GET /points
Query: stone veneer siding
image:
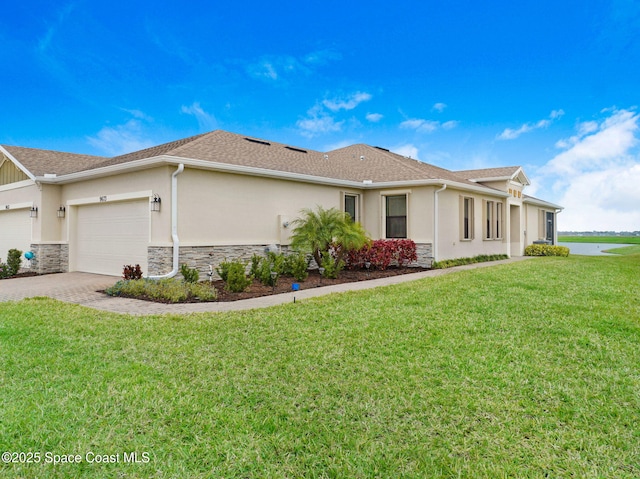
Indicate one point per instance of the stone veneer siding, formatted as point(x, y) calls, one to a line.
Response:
point(160, 260)
point(425, 255)
point(50, 258)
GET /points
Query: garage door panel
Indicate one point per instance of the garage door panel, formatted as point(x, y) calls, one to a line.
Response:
point(15, 231)
point(112, 235)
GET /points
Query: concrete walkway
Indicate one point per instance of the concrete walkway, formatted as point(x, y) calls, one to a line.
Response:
point(82, 288)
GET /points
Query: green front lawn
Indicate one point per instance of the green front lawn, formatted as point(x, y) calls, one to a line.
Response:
point(600, 239)
point(625, 250)
point(522, 370)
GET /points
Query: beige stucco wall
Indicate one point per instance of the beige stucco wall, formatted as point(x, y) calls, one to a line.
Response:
point(419, 212)
point(26, 191)
point(155, 180)
point(227, 209)
point(449, 243)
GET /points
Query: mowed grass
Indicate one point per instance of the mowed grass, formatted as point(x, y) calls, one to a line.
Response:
point(530, 369)
point(625, 250)
point(600, 239)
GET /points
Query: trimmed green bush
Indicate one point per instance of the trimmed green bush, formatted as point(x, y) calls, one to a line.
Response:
point(450, 263)
point(4, 271)
point(167, 290)
point(14, 261)
point(546, 250)
point(234, 276)
point(296, 265)
point(190, 275)
point(331, 265)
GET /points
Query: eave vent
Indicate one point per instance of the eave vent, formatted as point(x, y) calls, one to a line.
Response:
point(260, 142)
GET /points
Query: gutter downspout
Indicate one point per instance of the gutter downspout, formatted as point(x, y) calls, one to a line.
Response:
point(555, 226)
point(174, 225)
point(435, 222)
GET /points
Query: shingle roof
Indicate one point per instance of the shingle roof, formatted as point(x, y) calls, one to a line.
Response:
point(504, 172)
point(353, 163)
point(41, 162)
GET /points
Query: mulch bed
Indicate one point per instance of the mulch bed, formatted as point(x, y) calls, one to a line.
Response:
point(314, 280)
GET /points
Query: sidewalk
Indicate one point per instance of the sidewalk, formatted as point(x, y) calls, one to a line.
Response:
point(81, 288)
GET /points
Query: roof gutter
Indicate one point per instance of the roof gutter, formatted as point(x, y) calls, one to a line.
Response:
point(435, 222)
point(262, 172)
point(174, 225)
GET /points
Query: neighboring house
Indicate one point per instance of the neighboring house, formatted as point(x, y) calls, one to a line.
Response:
point(221, 195)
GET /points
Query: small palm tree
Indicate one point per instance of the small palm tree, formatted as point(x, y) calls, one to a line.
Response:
point(318, 231)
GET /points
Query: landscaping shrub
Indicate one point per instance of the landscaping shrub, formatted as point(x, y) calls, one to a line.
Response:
point(450, 263)
point(190, 275)
point(382, 253)
point(4, 271)
point(131, 272)
point(332, 266)
point(256, 259)
point(234, 276)
point(168, 290)
point(296, 265)
point(546, 250)
point(13, 261)
point(271, 263)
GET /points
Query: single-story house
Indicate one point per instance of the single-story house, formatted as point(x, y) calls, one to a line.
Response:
point(222, 195)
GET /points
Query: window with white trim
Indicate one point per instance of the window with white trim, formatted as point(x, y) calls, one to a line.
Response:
point(351, 206)
point(492, 214)
point(466, 218)
point(395, 216)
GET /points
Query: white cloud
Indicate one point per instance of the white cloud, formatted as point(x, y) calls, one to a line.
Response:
point(206, 121)
point(598, 146)
point(121, 139)
point(439, 107)
point(512, 134)
point(426, 126)
point(317, 122)
point(408, 150)
point(276, 68)
point(597, 175)
point(320, 119)
point(348, 103)
point(374, 117)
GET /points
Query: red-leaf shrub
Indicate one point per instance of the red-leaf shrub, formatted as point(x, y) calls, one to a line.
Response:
point(382, 253)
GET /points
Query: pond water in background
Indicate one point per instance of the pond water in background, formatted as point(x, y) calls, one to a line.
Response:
point(591, 249)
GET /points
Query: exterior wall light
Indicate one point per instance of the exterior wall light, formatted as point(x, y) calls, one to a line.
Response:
point(61, 211)
point(155, 203)
point(33, 212)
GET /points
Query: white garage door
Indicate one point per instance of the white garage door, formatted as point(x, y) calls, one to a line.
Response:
point(15, 231)
point(111, 235)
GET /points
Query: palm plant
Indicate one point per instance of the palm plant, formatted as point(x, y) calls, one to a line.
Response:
point(319, 231)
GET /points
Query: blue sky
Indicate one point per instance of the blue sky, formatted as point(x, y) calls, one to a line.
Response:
point(552, 86)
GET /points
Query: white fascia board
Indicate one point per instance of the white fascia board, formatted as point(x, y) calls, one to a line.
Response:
point(538, 202)
point(17, 206)
point(17, 163)
point(17, 185)
point(491, 178)
point(261, 172)
point(436, 182)
point(518, 173)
